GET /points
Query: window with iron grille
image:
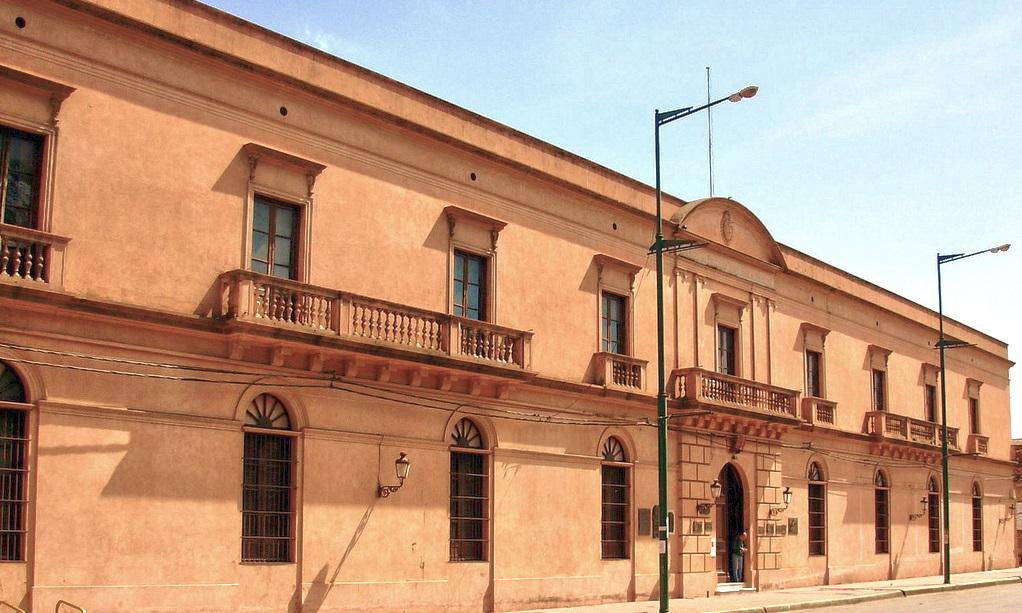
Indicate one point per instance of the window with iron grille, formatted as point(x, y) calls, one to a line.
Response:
point(930, 396)
point(268, 485)
point(814, 384)
point(879, 390)
point(13, 468)
point(977, 518)
point(275, 238)
point(20, 171)
point(470, 285)
point(470, 504)
point(933, 515)
point(613, 319)
point(817, 511)
point(615, 499)
point(726, 350)
point(882, 523)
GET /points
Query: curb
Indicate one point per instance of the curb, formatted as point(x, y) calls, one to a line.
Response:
point(893, 592)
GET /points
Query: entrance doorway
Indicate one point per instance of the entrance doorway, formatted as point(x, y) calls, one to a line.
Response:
point(730, 520)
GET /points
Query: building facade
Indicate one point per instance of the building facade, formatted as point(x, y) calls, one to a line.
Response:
point(281, 334)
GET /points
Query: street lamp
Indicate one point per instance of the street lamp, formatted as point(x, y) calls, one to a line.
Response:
point(659, 246)
point(942, 344)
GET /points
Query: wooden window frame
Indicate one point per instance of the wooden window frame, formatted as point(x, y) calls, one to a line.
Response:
point(882, 513)
point(265, 428)
point(40, 140)
point(294, 271)
point(816, 386)
point(817, 520)
point(933, 514)
point(930, 402)
point(974, 416)
point(485, 284)
point(733, 353)
point(615, 464)
point(624, 344)
point(880, 401)
point(977, 517)
point(460, 451)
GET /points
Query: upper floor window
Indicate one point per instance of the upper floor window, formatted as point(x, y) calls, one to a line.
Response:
point(13, 467)
point(817, 510)
point(726, 359)
point(881, 500)
point(470, 504)
point(930, 400)
point(974, 415)
point(470, 274)
point(615, 501)
point(933, 515)
point(21, 156)
point(879, 390)
point(977, 518)
point(614, 321)
point(268, 510)
point(814, 381)
point(275, 238)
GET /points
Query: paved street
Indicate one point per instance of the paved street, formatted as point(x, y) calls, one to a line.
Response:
point(995, 599)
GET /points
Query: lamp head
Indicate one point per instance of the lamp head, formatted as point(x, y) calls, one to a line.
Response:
point(1013, 496)
point(1003, 247)
point(747, 92)
point(925, 502)
point(402, 466)
point(715, 489)
point(786, 494)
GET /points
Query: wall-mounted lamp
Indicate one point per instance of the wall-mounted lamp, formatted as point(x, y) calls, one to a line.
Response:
point(925, 504)
point(703, 508)
point(1011, 506)
point(402, 465)
point(786, 496)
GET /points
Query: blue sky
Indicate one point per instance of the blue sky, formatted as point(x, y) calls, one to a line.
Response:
point(883, 132)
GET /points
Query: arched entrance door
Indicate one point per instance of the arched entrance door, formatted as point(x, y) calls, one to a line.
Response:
point(730, 519)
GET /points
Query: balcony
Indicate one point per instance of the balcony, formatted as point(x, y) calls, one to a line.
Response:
point(819, 412)
point(887, 426)
point(252, 297)
point(31, 257)
point(978, 444)
point(620, 372)
point(698, 386)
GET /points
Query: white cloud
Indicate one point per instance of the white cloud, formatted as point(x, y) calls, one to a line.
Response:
point(332, 43)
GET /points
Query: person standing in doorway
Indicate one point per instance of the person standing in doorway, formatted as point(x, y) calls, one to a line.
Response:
point(739, 544)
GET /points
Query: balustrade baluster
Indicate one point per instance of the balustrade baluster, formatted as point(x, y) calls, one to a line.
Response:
point(39, 274)
point(16, 266)
point(5, 257)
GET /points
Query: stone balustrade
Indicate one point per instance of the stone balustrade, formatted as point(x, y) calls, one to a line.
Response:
point(705, 387)
point(31, 256)
point(253, 297)
point(882, 424)
point(978, 444)
point(617, 371)
point(818, 411)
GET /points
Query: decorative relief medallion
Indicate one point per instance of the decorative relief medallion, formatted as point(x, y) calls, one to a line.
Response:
point(727, 227)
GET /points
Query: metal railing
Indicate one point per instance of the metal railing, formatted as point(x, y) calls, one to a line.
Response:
point(258, 298)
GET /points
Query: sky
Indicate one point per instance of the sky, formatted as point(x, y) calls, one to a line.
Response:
point(883, 132)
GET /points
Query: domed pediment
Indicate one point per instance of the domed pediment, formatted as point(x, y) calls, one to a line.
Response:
point(728, 224)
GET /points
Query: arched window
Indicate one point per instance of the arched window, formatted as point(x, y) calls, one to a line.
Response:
point(817, 510)
point(13, 465)
point(977, 518)
point(881, 498)
point(268, 511)
point(615, 501)
point(470, 504)
point(933, 514)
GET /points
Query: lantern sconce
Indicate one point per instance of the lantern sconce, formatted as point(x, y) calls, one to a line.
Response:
point(925, 503)
point(1011, 506)
point(703, 508)
point(402, 465)
point(786, 496)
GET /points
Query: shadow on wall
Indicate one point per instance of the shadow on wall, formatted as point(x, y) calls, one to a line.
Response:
point(320, 588)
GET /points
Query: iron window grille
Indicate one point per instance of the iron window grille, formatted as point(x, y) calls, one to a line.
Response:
point(268, 485)
point(817, 499)
point(13, 468)
point(615, 501)
point(882, 513)
point(469, 505)
point(933, 515)
point(977, 518)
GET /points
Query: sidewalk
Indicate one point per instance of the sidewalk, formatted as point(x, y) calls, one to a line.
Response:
point(794, 599)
